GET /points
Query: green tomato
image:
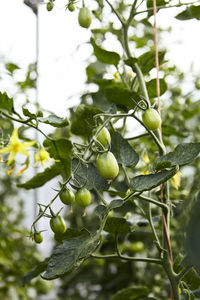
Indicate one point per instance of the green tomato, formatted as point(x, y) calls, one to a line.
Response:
point(137, 246)
point(50, 6)
point(83, 197)
point(104, 136)
point(71, 7)
point(107, 165)
point(151, 119)
point(38, 238)
point(58, 225)
point(84, 17)
point(67, 197)
point(43, 287)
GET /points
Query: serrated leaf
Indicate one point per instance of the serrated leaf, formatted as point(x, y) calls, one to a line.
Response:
point(123, 151)
point(11, 67)
point(27, 113)
point(121, 96)
point(115, 204)
point(117, 226)
point(131, 293)
point(37, 270)
point(100, 211)
point(147, 60)
point(106, 57)
point(151, 87)
point(183, 154)
point(6, 102)
point(191, 12)
point(68, 234)
point(89, 176)
point(83, 121)
point(41, 178)
point(54, 121)
point(68, 256)
point(147, 182)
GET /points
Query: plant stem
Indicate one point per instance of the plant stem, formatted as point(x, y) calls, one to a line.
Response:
point(129, 258)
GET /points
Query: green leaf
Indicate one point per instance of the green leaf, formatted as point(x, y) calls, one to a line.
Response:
point(131, 293)
point(183, 154)
point(41, 267)
point(68, 256)
point(70, 233)
point(6, 102)
point(150, 5)
point(11, 67)
point(90, 176)
point(54, 121)
point(100, 211)
point(152, 90)
point(147, 182)
point(41, 178)
point(83, 121)
point(193, 233)
point(191, 12)
point(130, 62)
point(147, 60)
point(123, 151)
point(106, 57)
point(61, 150)
point(27, 113)
point(121, 96)
point(117, 225)
point(115, 204)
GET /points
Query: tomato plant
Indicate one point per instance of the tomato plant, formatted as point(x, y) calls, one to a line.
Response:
point(144, 221)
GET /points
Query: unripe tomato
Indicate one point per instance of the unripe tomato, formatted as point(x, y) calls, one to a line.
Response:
point(67, 197)
point(107, 165)
point(71, 7)
point(50, 6)
point(38, 238)
point(84, 17)
point(58, 225)
point(151, 119)
point(137, 246)
point(83, 197)
point(104, 136)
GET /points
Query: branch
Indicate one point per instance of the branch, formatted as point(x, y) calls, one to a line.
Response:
point(142, 259)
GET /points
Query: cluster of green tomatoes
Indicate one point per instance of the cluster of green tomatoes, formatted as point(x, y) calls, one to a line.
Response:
point(84, 16)
point(107, 167)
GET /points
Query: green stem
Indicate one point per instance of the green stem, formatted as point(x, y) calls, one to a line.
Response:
point(115, 12)
point(129, 258)
point(150, 200)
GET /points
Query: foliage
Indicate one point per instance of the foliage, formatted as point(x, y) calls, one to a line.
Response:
point(137, 216)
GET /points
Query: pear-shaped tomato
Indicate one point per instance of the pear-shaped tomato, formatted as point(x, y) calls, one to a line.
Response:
point(38, 238)
point(85, 17)
point(67, 197)
point(57, 224)
point(83, 197)
point(107, 165)
point(104, 137)
point(151, 119)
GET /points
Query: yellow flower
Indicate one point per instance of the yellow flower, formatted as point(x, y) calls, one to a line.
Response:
point(116, 75)
point(145, 158)
point(146, 172)
point(176, 180)
point(16, 147)
point(42, 157)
